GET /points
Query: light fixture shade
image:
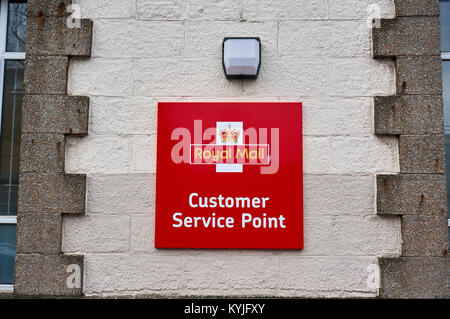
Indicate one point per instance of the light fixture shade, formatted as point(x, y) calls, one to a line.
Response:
point(241, 57)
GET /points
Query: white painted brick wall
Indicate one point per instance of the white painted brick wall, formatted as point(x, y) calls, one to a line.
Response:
point(204, 39)
point(188, 9)
point(315, 51)
point(324, 38)
point(138, 39)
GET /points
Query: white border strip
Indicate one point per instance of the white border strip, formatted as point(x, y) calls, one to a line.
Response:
point(6, 288)
point(257, 145)
point(8, 219)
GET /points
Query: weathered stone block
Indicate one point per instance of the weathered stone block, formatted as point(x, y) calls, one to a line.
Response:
point(218, 272)
point(325, 39)
point(334, 194)
point(407, 36)
point(322, 274)
point(274, 72)
point(115, 115)
point(424, 236)
point(52, 193)
point(143, 154)
point(356, 77)
point(39, 233)
point(416, 8)
point(127, 38)
point(408, 114)
point(87, 76)
point(52, 36)
point(360, 9)
point(48, 7)
point(189, 10)
point(121, 193)
point(46, 75)
point(412, 194)
point(96, 234)
point(363, 154)
point(283, 9)
point(42, 153)
point(204, 38)
point(414, 277)
point(202, 77)
point(422, 154)
point(317, 154)
point(337, 116)
point(110, 273)
point(419, 75)
point(111, 9)
point(55, 114)
point(365, 235)
point(48, 275)
point(99, 154)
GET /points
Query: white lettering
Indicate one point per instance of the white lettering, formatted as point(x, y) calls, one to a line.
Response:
point(246, 218)
point(196, 201)
point(180, 222)
point(190, 200)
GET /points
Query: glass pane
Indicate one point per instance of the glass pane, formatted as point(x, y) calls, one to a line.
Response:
point(445, 25)
point(447, 163)
point(10, 136)
point(446, 94)
point(7, 253)
point(17, 22)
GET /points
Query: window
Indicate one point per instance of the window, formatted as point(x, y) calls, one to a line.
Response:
point(445, 35)
point(13, 15)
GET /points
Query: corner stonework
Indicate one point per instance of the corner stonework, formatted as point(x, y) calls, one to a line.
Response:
point(48, 115)
point(418, 194)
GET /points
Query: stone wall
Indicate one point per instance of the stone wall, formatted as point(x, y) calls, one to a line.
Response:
point(315, 51)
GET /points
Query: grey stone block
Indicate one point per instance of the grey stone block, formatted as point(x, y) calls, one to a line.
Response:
point(414, 277)
point(419, 75)
point(48, 7)
point(412, 194)
point(45, 192)
point(46, 275)
point(51, 36)
point(416, 8)
point(424, 236)
point(422, 154)
point(52, 193)
point(42, 153)
point(46, 75)
point(55, 114)
point(39, 233)
point(408, 115)
point(407, 36)
point(421, 198)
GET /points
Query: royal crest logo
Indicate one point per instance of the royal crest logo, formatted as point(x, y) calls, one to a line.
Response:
point(230, 135)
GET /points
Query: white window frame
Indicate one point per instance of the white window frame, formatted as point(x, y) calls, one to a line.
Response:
point(445, 56)
point(5, 219)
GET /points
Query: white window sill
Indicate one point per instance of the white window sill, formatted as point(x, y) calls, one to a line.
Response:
point(6, 288)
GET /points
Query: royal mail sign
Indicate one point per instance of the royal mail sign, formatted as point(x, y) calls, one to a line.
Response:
point(229, 175)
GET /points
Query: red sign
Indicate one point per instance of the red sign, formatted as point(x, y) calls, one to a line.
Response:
point(229, 175)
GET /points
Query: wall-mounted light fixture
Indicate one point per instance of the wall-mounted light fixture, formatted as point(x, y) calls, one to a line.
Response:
point(241, 57)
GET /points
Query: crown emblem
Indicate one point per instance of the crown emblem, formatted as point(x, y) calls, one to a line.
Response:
point(229, 135)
